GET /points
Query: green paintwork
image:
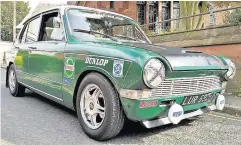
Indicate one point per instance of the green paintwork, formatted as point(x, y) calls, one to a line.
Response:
point(44, 69)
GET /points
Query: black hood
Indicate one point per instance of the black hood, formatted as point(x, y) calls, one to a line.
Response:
point(181, 58)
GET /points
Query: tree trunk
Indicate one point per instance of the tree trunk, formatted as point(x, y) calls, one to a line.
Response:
point(183, 9)
point(201, 18)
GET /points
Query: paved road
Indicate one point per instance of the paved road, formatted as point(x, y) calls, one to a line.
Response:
point(33, 120)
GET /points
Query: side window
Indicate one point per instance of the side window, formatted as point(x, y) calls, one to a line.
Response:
point(33, 28)
point(51, 28)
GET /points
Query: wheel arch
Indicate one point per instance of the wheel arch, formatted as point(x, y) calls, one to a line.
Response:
point(85, 72)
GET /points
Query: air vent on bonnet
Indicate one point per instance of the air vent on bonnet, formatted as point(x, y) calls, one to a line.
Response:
point(190, 51)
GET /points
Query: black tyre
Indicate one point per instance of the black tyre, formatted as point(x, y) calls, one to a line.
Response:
point(98, 108)
point(15, 88)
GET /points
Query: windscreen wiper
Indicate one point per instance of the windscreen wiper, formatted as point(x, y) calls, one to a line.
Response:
point(95, 32)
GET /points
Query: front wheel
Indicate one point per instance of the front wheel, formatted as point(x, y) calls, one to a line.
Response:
point(15, 88)
point(98, 108)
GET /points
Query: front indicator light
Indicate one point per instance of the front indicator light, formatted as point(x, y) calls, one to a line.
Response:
point(135, 94)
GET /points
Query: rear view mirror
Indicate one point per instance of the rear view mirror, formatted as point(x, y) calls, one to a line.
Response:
point(108, 24)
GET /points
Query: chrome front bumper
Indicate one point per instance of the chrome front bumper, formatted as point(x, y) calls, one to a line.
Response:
point(164, 121)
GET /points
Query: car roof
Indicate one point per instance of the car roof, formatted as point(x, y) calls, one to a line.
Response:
point(63, 8)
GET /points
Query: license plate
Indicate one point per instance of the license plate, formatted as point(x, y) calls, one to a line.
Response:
point(189, 100)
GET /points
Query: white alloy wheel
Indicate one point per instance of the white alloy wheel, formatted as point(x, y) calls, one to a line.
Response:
point(92, 105)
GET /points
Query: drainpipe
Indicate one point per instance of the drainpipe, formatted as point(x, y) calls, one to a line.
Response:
point(212, 15)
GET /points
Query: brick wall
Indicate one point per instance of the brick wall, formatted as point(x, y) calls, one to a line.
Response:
point(232, 51)
point(210, 36)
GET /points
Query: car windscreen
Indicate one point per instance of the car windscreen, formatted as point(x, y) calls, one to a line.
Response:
point(111, 25)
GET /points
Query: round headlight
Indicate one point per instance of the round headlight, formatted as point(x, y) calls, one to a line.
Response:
point(154, 73)
point(231, 71)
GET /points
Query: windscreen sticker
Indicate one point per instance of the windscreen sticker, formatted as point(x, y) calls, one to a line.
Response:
point(118, 68)
point(69, 68)
point(94, 15)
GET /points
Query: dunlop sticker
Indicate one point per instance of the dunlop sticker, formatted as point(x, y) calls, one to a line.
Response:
point(96, 61)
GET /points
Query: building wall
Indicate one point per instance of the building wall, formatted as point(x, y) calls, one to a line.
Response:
point(232, 51)
point(129, 8)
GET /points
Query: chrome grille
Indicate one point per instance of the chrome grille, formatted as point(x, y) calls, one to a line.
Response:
point(187, 86)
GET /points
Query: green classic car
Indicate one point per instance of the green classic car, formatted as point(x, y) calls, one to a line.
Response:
point(102, 65)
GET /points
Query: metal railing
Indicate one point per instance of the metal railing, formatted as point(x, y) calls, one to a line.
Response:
point(219, 17)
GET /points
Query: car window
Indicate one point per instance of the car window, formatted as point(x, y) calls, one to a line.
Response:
point(33, 28)
point(51, 28)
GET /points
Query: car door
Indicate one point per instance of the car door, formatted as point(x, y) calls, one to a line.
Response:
point(26, 39)
point(46, 58)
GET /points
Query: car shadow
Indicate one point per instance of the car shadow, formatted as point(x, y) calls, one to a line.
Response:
point(134, 131)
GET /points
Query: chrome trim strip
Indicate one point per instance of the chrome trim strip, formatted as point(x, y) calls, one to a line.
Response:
point(185, 78)
point(40, 91)
point(39, 77)
point(164, 121)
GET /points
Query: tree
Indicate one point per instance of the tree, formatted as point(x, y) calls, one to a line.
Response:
point(188, 8)
point(7, 17)
point(225, 4)
point(233, 17)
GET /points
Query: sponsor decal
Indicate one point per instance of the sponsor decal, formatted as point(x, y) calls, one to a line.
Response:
point(69, 68)
point(177, 114)
point(98, 15)
point(118, 68)
point(67, 81)
point(148, 104)
point(220, 102)
point(96, 61)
